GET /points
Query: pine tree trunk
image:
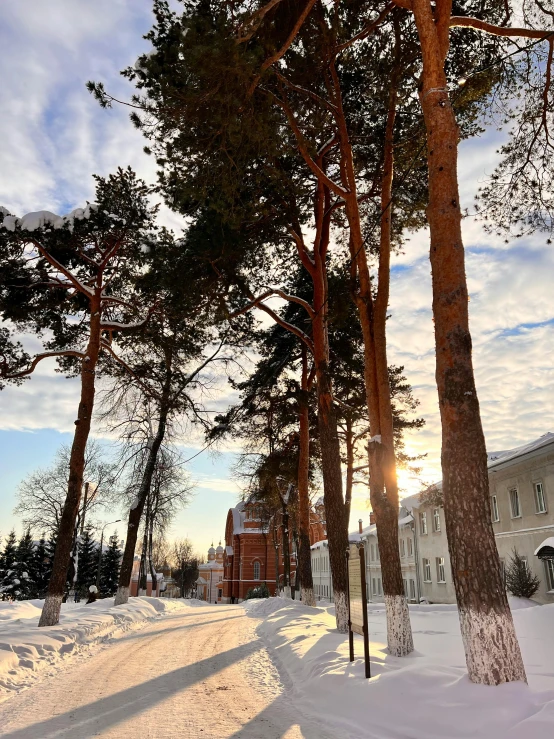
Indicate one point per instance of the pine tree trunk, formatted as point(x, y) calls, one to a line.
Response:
point(491, 647)
point(349, 443)
point(337, 529)
point(50, 615)
point(304, 552)
point(382, 464)
point(135, 514)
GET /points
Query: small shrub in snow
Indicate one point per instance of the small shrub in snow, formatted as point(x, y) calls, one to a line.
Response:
point(261, 591)
point(520, 581)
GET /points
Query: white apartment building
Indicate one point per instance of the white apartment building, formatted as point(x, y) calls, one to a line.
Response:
point(321, 570)
point(522, 514)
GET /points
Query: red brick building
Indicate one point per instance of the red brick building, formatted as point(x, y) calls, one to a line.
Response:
point(250, 557)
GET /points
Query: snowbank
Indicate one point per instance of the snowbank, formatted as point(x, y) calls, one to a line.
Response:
point(26, 650)
point(424, 696)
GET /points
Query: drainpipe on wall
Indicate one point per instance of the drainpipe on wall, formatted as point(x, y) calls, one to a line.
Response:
point(416, 558)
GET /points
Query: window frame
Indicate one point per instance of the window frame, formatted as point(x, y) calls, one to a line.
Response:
point(257, 563)
point(423, 530)
point(536, 485)
point(511, 492)
point(495, 513)
point(549, 574)
point(436, 520)
point(410, 546)
point(441, 570)
point(402, 548)
point(412, 589)
point(426, 563)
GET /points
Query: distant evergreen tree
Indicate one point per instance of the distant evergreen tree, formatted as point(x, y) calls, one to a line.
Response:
point(520, 581)
point(109, 569)
point(41, 568)
point(88, 562)
point(23, 582)
point(260, 591)
point(9, 557)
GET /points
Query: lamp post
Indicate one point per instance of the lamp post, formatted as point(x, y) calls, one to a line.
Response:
point(100, 550)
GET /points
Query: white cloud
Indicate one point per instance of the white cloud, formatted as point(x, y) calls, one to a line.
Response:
point(54, 136)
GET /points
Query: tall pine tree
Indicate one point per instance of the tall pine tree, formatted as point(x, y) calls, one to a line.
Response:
point(88, 562)
point(9, 557)
point(41, 568)
point(23, 584)
point(109, 568)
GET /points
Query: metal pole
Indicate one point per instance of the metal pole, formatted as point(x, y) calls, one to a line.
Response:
point(350, 632)
point(364, 606)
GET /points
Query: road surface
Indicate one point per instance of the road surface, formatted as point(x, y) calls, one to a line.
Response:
point(201, 673)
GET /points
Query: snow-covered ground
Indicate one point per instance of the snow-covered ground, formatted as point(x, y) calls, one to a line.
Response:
point(267, 669)
point(27, 652)
point(424, 696)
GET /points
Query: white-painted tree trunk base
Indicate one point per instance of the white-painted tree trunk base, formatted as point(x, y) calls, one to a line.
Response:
point(308, 597)
point(341, 612)
point(50, 615)
point(399, 630)
point(287, 592)
point(491, 646)
point(122, 596)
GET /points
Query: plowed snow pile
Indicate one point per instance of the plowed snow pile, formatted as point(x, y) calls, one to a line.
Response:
point(26, 650)
point(424, 696)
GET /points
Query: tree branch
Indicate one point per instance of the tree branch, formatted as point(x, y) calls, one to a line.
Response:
point(278, 54)
point(479, 25)
point(77, 284)
point(367, 29)
point(45, 355)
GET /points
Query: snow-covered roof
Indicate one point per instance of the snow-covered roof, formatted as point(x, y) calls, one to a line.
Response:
point(496, 459)
point(238, 519)
point(201, 581)
point(411, 502)
point(546, 543)
point(320, 544)
point(406, 519)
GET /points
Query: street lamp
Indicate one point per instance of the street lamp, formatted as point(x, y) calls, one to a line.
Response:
point(100, 550)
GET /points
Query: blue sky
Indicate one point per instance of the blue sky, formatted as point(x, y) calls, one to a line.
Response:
point(54, 136)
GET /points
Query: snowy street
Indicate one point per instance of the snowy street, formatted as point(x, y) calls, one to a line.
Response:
point(201, 672)
point(266, 669)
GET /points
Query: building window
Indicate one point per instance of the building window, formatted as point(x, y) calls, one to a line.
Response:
point(526, 563)
point(374, 588)
point(402, 548)
point(440, 570)
point(426, 570)
point(377, 552)
point(540, 500)
point(514, 503)
point(379, 586)
point(494, 509)
point(436, 519)
point(405, 585)
point(423, 523)
point(410, 546)
point(549, 567)
point(412, 590)
point(372, 553)
point(256, 570)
